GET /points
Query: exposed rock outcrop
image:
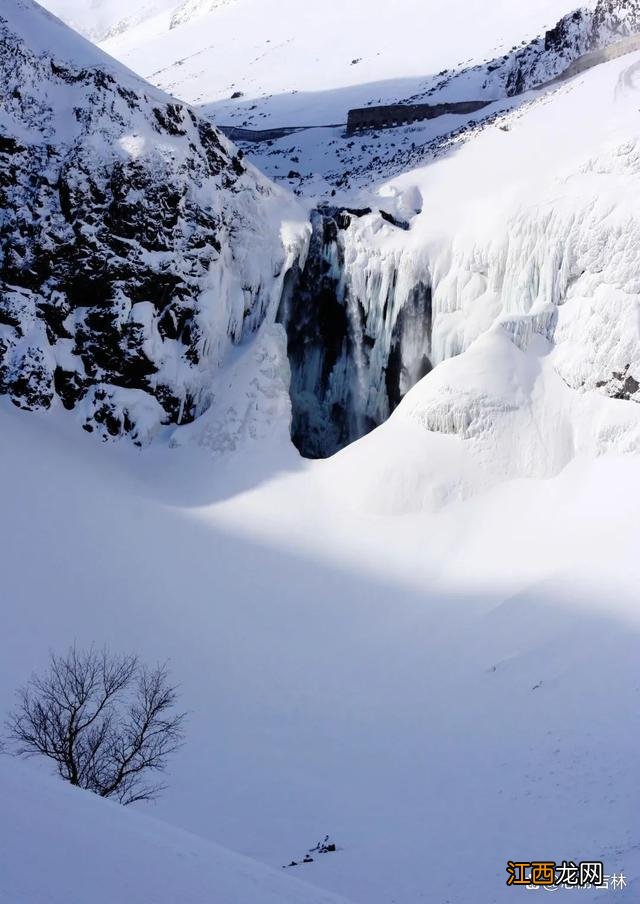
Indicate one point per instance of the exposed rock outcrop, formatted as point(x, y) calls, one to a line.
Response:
point(135, 244)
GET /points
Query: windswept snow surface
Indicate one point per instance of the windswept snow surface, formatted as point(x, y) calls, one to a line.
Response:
point(430, 684)
point(262, 64)
point(83, 850)
point(426, 646)
point(440, 691)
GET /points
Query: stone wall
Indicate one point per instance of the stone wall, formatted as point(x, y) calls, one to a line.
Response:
point(391, 115)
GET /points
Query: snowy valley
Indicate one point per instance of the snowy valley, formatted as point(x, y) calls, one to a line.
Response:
point(344, 426)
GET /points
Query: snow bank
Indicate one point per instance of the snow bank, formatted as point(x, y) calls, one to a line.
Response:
point(67, 846)
point(459, 684)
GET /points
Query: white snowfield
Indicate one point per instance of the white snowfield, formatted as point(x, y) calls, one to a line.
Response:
point(426, 646)
point(432, 689)
point(273, 50)
point(100, 19)
point(66, 846)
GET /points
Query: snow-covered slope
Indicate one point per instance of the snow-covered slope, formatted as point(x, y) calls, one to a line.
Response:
point(429, 689)
point(101, 19)
point(287, 58)
point(328, 161)
point(274, 65)
point(135, 244)
point(83, 850)
point(259, 65)
point(519, 229)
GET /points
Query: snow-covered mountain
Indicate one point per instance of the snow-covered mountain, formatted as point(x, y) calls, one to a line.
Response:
point(189, 10)
point(426, 645)
point(236, 61)
point(135, 244)
point(322, 162)
point(525, 226)
point(102, 19)
point(260, 66)
point(383, 295)
point(275, 47)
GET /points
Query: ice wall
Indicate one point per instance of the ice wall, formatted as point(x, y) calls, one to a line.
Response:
point(377, 306)
point(358, 321)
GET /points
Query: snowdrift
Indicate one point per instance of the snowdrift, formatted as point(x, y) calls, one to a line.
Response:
point(85, 850)
point(424, 686)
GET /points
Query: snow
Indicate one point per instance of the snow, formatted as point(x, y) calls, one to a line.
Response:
point(430, 688)
point(426, 646)
point(81, 134)
point(85, 849)
point(548, 231)
point(100, 19)
point(491, 414)
point(42, 32)
point(270, 49)
point(530, 227)
point(260, 65)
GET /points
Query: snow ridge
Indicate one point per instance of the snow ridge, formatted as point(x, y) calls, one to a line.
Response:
point(191, 9)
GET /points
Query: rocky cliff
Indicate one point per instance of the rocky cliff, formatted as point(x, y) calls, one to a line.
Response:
point(135, 244)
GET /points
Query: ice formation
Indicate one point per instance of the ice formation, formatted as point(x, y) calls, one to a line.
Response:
point(546, 248)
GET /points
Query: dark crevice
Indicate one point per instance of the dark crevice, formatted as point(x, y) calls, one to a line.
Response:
point(345, 381)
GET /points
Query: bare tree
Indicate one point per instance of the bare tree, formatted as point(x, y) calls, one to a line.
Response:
point(106, 721)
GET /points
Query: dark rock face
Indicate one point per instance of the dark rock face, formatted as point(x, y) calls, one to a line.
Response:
point(621, 385)
point(352, 357)
point(120, 212)
point(578, 33)
point(586, 29)
point(320, 345)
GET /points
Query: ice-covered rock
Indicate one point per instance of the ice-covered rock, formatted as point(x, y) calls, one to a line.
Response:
point(136, 246)
point(533, 230)
point(358, 320)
